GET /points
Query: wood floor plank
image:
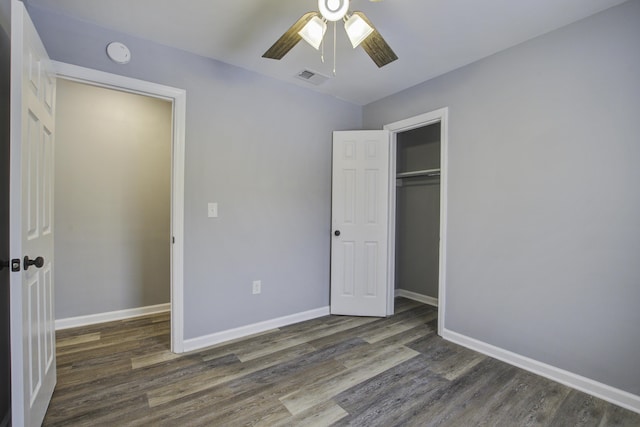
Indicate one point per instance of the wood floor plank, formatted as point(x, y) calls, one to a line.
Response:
point(359, 371)
point(282, 371)
point(217, 376)
point(528, 398)
point(247, 411)
point(106, 346)
point(215, 401)
point(448, 359)
point(163, 355)
point(473, 409)
point(78, 415)
point(409, 336)
point(367, 355)
point(119, 388)
point(404, 304)
point(436, 407)
point(324, 414)
point(389, 394)
point(579, 409)
point(615, 416)
point(269, 384)
point(337, 370)
point(482, 413)
point(78, 339)
point(419, 312)
point(386, 331)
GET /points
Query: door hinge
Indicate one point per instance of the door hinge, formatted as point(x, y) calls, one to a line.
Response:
point(173, 239)
point(15, 264)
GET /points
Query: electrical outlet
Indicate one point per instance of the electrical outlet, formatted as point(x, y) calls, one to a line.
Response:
point(257, 287)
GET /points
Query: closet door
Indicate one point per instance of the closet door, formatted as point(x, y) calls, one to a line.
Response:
point(360, 198)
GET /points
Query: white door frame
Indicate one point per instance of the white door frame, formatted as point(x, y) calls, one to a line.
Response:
point(178, 97)
point(441, 115)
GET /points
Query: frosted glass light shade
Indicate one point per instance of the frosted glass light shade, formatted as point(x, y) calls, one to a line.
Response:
point(357, 29)
point(313, 31)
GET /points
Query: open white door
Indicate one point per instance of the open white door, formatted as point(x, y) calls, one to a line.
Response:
point(33, 361)
point(359, 246)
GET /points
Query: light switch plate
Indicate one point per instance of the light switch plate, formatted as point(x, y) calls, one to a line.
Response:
point(257, 287)
point(212, 210)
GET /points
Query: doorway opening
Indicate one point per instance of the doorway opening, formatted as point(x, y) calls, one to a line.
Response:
point(169, 103)
point(417, 210)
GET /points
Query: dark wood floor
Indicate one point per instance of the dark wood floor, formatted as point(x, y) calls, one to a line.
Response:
point(330, 371)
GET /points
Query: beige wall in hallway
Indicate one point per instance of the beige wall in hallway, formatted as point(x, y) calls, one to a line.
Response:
point(112, 200)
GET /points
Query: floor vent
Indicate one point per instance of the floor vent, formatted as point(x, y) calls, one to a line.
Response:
point(312, 77)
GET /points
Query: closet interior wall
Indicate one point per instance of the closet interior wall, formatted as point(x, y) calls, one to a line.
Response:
point(418, 210)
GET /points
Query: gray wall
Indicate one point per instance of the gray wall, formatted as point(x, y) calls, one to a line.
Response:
point(258, 147)
point(113, 200)
point(418, 212)
point(5, 80)
point(544, 206)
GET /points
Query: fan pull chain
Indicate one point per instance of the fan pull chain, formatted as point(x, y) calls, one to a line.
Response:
point(334, 49)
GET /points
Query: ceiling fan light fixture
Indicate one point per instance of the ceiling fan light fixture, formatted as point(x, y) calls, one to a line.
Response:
point(357, 29)
point(313, 31)
point(333, 10)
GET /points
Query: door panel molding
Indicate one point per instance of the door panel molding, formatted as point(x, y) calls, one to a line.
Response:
point(178, 97)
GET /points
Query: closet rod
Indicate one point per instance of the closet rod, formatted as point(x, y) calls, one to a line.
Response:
point(426, 172)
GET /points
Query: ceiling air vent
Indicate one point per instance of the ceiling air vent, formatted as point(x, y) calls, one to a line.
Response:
point(312, 77)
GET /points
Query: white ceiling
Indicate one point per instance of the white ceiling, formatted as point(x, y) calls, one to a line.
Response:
point(430, 37)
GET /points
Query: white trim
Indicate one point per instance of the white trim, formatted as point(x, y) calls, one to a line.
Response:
point(115, 81)
point(425, 299)
point(179, 99)
point(595, 388)
point(198, 343)
point(391, 228)
point(441, 115)
point(110, 316)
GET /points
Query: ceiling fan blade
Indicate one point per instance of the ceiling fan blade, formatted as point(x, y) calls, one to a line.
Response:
point(375, 46)
point(289, 39)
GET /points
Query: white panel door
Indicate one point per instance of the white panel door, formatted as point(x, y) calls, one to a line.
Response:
point(33, 361)
point(360, 197)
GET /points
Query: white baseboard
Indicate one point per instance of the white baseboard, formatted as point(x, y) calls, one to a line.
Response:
point(92, 319)
point(417, 297)
point(198, 343)
point(595, 388)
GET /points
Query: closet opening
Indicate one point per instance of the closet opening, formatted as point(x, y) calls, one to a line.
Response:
point(417, 210)
point(176, 100)
point(113, 204)
point(417, 207)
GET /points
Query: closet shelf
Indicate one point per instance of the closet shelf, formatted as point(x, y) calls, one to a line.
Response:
point(426, 172)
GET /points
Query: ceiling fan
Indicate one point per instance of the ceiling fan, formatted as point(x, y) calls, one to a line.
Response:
point(312, 26)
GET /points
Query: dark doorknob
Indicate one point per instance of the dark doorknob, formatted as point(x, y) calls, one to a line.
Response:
point(38, 262)
point(337, 232)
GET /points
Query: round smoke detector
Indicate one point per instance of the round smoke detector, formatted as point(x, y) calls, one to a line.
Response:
point(118, 53)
